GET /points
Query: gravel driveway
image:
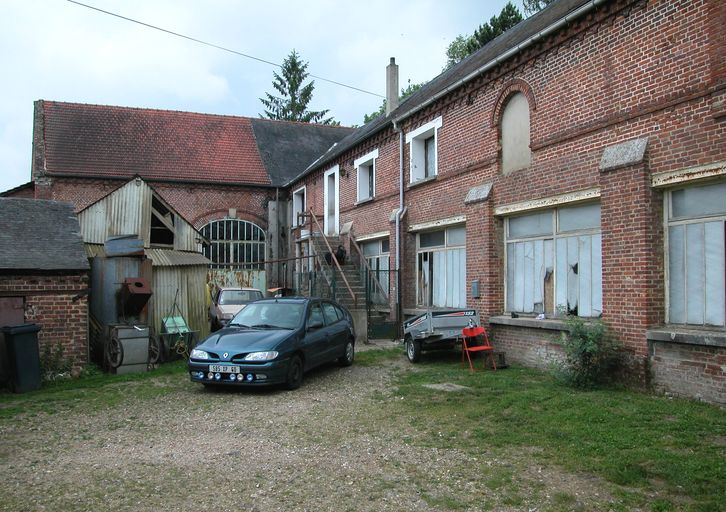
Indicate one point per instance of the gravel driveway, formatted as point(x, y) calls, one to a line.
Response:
point(331, 445)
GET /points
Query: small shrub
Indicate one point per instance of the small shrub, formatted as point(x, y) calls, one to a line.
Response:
point(53, 363)
point(590, 354)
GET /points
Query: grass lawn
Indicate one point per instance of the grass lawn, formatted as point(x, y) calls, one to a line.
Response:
point(661, 454)
point(655, 453)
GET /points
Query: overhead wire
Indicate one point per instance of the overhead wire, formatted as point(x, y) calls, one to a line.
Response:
point(218, 47)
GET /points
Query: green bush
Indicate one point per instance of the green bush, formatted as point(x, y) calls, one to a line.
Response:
point(591, 355)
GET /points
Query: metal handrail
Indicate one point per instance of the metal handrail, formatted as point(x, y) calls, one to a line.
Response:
point(368, 268)
point(330, 249)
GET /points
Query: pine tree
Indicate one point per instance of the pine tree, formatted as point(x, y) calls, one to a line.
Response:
point(294, 97)
point(533, 6)
point(463, 46)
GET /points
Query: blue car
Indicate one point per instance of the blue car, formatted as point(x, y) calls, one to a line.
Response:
point(275, 341)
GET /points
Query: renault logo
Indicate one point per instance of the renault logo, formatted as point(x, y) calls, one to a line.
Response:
point(225, 355)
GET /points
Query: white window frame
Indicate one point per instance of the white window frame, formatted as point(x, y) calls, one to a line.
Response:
point(560, 241)
point(229, 250)
point(364, 165)
point(417, 150)
point(457, 297)
point(707, 302)
point(331, 226)
point(297, 207)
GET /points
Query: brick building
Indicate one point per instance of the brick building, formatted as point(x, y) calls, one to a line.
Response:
point(576, 163)
point(44, 275)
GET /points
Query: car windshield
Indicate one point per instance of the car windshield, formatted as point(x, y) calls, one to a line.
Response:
point(236, 297)
point(270, 315)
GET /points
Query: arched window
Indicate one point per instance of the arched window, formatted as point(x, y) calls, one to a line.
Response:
point(516, 153)
point(235, 242)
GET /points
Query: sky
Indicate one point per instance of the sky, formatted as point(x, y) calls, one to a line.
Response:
point(58, 50)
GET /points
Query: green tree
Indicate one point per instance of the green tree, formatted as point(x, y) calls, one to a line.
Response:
point(463, 46)
point(533, 6)
point(405, 93)
point(294, 97)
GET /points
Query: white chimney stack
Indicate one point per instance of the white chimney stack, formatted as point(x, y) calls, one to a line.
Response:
point(391, 86)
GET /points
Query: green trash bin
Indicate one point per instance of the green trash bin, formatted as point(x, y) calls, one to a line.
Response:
point(21, 345)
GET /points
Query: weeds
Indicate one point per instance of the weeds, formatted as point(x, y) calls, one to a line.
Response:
point(591, 354)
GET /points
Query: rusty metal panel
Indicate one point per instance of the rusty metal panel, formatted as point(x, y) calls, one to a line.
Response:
point(242, 278)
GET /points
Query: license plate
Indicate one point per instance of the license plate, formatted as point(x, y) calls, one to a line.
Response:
point(221, 368)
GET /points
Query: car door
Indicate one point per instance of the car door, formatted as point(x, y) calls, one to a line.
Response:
point(337, 329)
point(317, 339)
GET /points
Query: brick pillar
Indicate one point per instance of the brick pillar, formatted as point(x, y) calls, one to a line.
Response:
point(632, 255)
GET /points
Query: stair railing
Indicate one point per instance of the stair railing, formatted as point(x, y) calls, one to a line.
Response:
point(333, 258)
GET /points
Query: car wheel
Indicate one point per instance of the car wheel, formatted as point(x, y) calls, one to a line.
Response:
point(294, 373)
point(347, 358)
point(413, 350)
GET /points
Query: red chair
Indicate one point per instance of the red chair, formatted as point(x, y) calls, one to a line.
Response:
point(475, 339)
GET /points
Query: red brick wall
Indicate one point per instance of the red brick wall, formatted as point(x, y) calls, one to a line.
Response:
point(50, 302)
point(690, 371)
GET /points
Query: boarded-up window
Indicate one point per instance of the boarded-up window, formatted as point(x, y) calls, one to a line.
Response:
point(697, 255)
point(235, 242)
point(554, 262)
point(516, 153)
point(441, 268)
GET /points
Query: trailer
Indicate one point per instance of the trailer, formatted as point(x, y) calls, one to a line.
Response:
point(436, 329)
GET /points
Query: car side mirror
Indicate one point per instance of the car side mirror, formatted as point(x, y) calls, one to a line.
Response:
point(315, 324)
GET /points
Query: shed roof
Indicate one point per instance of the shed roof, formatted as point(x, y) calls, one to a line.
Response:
point(123, 142)
point(40, 235)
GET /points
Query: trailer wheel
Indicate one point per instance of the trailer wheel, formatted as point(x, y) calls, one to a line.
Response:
point(413, 349)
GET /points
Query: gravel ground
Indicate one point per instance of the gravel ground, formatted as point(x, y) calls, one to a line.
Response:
point(331, 445)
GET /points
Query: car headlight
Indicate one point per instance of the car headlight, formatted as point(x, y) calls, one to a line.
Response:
point(198, 354)
point(261, 356)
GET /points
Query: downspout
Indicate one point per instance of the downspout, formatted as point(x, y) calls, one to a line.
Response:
point(399, 213)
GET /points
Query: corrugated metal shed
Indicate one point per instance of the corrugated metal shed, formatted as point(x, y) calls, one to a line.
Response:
point(128, 210)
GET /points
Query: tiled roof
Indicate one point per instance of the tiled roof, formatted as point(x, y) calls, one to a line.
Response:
point(121, 142)
point(39, 235)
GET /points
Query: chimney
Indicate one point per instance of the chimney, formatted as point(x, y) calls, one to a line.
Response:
point(391, 86)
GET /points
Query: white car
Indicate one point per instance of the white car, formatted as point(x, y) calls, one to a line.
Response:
point(227, 302)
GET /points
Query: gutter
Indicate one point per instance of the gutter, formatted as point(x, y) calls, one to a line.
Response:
point(399, 213)
point(592, 4)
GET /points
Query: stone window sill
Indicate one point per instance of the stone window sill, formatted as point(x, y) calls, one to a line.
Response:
point(529, 322)
point(364, 201)
point(422, 181)
point(688, 336)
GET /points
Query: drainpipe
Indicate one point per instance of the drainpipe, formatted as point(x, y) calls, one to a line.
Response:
point(399, 213)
